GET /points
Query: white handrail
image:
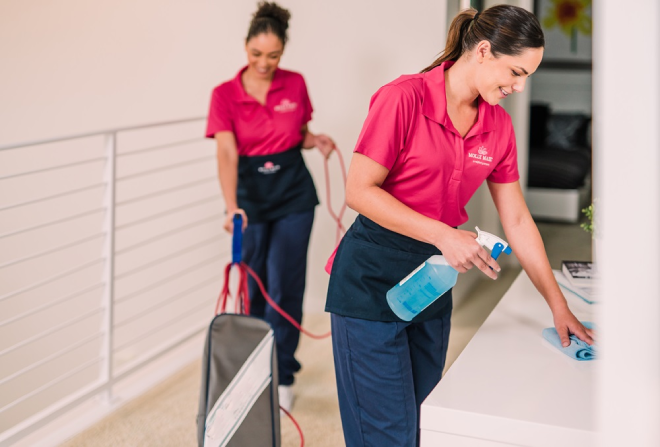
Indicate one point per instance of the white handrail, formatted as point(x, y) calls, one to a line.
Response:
point(97, 133)
point(167, 233)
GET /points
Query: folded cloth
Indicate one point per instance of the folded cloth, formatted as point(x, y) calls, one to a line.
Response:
point(578, 349)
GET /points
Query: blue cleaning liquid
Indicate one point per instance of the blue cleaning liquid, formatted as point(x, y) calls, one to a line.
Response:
point(423, 286)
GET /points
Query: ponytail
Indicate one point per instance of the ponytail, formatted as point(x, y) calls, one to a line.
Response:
point(455, 37)
point(509, 29)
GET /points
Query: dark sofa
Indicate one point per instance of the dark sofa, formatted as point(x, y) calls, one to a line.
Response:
point(559, 149)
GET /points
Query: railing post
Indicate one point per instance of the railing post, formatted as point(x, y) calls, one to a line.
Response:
point(107, 372)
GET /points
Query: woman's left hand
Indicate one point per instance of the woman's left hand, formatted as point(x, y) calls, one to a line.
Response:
point(566, 324)
point(325, 144)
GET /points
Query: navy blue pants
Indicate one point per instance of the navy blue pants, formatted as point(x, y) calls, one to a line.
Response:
point(384, 372)
point(277, 252)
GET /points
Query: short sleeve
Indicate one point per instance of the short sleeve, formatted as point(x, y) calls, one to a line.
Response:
point(220, 116)
point(306, 103)
point(384, 132)
point(506, 170)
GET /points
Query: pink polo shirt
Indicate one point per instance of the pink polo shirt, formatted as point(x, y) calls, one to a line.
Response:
point(261, 129)
point(432, 168)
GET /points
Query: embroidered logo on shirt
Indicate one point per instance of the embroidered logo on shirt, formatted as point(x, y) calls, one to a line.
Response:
point(481, 157)
point(269, 168)
point(286, 106)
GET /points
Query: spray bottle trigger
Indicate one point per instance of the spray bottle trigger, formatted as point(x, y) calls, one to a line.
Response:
point(497, 250)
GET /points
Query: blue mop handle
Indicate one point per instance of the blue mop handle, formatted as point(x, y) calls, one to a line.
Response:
point(237, 239)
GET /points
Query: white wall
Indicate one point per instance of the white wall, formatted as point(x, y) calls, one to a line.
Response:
point(73, 66)
point(627, 186)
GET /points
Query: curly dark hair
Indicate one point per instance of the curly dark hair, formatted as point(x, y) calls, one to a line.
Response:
point(269, 18)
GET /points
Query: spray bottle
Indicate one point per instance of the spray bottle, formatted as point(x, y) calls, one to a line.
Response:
point(433, 278)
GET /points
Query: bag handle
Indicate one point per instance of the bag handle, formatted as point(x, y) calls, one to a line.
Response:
point(242, 301)
point(237, 240)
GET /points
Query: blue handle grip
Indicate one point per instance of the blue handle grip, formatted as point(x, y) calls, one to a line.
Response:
point(237, 239)
point(498, 249)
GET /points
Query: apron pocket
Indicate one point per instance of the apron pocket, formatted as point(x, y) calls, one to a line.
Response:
point(362, 274)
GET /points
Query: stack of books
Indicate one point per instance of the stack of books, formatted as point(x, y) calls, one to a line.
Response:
point(579, 278)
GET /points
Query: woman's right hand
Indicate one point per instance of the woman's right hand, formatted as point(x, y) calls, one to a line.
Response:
point(462, 252)
point(229, 220)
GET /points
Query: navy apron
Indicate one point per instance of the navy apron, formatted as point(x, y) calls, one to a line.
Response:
point(369, 261)
point(272, 186)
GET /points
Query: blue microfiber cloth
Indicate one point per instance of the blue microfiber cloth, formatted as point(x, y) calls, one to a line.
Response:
point(578, 349)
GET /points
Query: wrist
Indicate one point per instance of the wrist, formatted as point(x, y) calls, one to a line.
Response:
point(558, 306)
point(438, 233)
point(309, 141)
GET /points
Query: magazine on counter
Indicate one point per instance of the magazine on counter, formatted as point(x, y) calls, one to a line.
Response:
point(586, 294)
point(580, 273)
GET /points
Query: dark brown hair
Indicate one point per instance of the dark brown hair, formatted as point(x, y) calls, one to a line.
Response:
point(269, 18)
point(509, 29)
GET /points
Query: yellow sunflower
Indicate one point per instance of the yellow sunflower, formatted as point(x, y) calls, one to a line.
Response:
point(569, 15)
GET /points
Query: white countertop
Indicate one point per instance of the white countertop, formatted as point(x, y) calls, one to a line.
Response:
point(511, 387)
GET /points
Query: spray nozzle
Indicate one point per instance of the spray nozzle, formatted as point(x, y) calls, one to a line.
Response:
point(495, 244)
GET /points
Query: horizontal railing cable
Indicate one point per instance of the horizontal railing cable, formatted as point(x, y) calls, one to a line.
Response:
point(52, 250)
point(96, 133)
point(161, 146)
point(167, 212)
point(158, 352)
point(53, 278)
point(52, 412)
point(50, 331)
point(164, 325)
point(168, 279)
point(185, 201)
point(169, 233)
point(50, 305)
point(50, 384)
point(171, 299)
point(167, 257)
point(52, 168)
point(53, 222)
point(166, 168)
point(50, 357)
point(165, 191)
point(70, 402)
point(54, 196)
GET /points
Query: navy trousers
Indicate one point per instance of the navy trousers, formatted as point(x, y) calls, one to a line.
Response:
point(277, 252)
point(384, 372)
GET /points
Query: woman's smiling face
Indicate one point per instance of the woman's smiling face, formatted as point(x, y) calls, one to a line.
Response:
point(500, 76)
point(263, 52)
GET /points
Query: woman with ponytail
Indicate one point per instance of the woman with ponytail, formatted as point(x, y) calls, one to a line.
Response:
point(428, 142)
point(259, 121)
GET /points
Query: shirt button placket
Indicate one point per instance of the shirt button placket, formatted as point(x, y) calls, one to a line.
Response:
point(457, 175)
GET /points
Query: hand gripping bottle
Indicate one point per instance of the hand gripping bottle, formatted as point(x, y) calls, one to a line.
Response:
point(433, 278)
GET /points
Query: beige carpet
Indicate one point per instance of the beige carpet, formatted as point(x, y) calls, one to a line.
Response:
point(165, 416)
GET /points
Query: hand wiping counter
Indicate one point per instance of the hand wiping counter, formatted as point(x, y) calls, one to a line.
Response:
point(578, 349)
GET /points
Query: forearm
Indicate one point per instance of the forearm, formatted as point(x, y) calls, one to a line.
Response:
point(309, 139)
point(527, 244)
point(228, 176)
